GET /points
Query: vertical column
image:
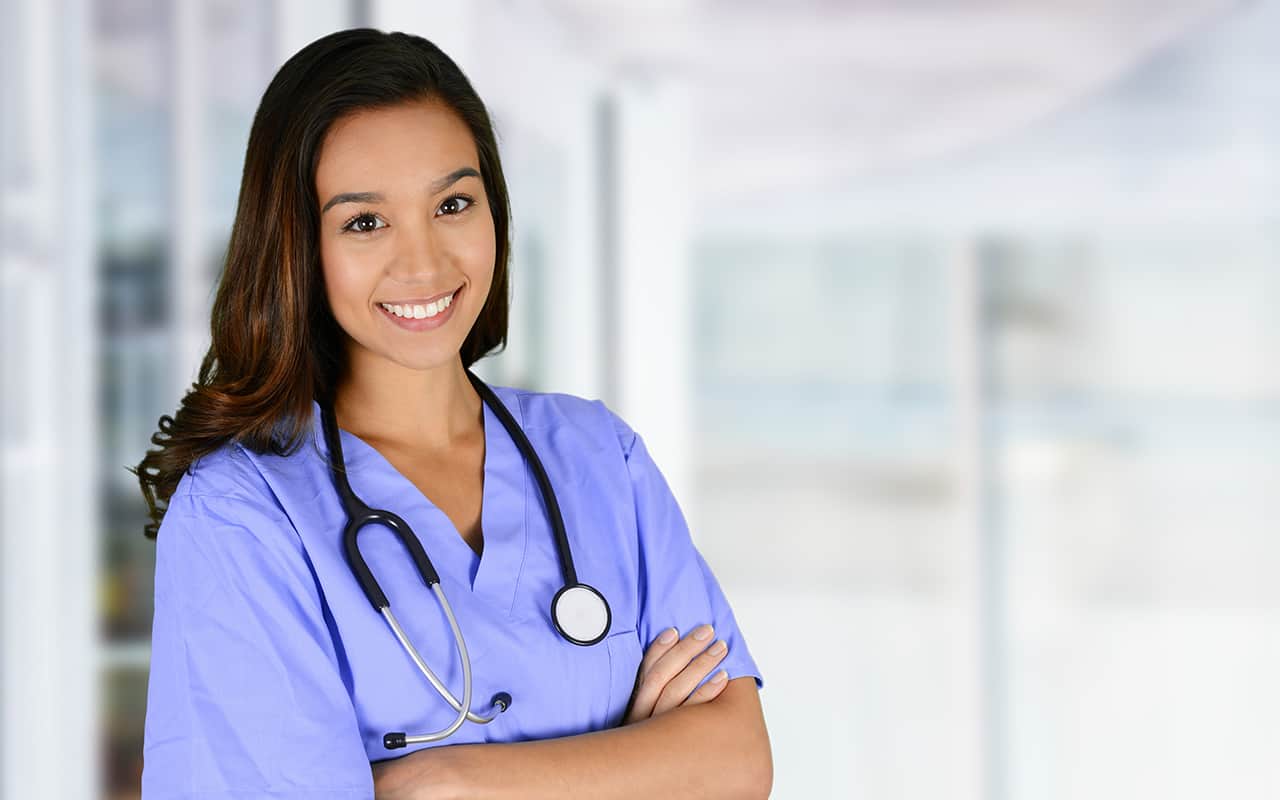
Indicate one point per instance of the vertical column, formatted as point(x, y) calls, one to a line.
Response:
point(73, 488)
point(653, 326)
point(972, 676)
point(190, 288)
point(609, 296)
point(48, 546)
point(543, 98)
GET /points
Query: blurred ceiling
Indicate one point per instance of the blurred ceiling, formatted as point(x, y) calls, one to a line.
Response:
point(812, 93)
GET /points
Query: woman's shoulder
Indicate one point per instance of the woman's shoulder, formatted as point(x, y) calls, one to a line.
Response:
point(590, 416)
point(229, 476)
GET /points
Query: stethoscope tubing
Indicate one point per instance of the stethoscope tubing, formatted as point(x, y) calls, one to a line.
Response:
point(431, 676)
point(544, 483)
point(360, 515)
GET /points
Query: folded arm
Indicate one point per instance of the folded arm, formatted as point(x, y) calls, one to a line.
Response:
point(719, 749)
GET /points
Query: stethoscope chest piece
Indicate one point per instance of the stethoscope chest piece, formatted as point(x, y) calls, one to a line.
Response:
point(580, 613)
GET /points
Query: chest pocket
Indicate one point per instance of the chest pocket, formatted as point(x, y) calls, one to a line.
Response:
point(624, 661)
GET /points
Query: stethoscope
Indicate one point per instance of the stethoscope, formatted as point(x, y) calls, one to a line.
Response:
point(579, 611)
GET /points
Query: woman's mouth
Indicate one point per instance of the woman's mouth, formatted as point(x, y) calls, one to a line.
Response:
point(421, 316)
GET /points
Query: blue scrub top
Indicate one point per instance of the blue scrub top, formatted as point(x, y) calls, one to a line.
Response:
point(271, 673)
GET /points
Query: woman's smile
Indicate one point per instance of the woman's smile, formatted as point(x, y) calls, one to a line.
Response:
point(421, 316)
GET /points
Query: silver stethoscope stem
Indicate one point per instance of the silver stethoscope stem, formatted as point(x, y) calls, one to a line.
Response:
point(464, 707)
point(579, 611)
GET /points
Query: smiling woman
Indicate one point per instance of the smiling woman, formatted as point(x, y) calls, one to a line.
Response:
point(367, 272)
point(422, 237)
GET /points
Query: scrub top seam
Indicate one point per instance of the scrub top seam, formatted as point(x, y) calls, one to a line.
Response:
point(271, 490)
point(524, 551)
point(276, 513)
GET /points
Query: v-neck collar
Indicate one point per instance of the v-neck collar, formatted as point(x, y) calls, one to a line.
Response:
point(492, 575)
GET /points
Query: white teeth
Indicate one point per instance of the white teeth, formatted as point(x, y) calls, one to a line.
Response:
point(418, 311)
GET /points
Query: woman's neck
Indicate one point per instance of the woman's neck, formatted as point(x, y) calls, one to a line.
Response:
point(430, 410)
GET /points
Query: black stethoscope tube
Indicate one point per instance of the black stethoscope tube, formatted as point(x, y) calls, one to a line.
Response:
point(580, 613)
point(544, 483)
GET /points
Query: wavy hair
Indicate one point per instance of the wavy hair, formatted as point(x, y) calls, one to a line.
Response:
point(275, 343)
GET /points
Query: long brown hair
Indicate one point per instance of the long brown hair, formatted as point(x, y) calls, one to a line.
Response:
point(275, 343)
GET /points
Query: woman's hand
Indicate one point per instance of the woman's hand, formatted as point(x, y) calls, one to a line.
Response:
point(671, 669)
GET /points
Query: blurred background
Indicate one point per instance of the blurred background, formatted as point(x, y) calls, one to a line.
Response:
point(951, 323)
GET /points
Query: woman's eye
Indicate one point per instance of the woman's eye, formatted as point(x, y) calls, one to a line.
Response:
point(452, 202)
point(368, 222)
point(356, 223)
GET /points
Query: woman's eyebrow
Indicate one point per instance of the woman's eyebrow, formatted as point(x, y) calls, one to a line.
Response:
point(439, 185)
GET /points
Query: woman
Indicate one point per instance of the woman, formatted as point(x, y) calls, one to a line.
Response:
point(366, 273)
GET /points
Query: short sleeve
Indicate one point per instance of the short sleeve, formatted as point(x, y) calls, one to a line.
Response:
point(245, 697)
point(677, 587)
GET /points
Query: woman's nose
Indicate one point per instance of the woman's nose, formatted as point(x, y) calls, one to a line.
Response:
point(420, 255)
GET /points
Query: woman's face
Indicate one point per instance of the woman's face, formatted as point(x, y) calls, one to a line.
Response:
point(404, 221)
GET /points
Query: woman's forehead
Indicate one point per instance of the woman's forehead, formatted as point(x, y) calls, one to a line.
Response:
point(410, 145)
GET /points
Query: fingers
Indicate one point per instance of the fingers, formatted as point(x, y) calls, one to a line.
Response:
point(669, 672)
point(644, 696)
point(709, 690)
point(657, 650)
point(700, 666)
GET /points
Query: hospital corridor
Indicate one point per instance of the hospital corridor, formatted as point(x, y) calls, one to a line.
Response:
point(953, 328)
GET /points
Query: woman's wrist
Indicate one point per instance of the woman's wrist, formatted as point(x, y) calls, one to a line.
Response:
point(431, 773)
